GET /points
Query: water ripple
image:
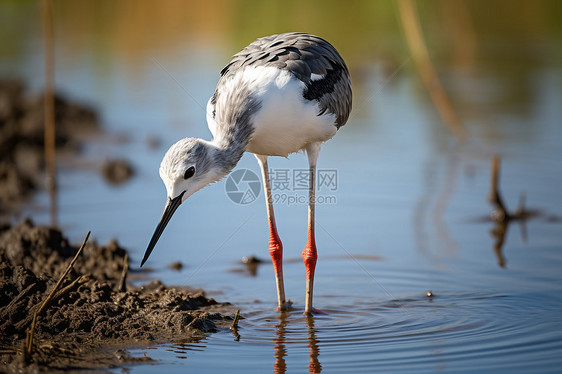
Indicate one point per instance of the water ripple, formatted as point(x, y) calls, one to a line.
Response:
point(451, 331)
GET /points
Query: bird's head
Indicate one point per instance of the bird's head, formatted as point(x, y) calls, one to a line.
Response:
point(186, 168)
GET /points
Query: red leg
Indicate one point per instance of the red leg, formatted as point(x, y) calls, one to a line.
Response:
point(276, 253)
point(309, 254)
point(275, 245)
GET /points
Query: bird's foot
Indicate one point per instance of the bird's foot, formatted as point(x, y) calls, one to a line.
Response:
point(284, 307)
point(314, 311)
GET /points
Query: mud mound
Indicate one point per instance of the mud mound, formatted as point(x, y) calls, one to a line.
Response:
point(89, 318)
point(22, 133)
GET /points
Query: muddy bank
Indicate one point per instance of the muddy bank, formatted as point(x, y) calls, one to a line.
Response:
point(21, 138)
point(90, 321)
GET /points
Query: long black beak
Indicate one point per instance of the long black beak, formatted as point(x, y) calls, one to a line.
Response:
point(169, 209)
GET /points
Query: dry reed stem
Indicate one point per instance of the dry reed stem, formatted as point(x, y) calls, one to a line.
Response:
point(416, 42)
point(31, 330)
point(76, 283)
point(49, 103)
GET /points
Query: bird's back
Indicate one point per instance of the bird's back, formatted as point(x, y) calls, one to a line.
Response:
point(316, 65)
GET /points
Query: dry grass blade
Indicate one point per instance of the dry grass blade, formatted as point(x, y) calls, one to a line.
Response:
point(30, 332)
point(75, 284)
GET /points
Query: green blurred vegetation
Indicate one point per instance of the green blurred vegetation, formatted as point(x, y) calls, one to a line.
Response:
point(506, 40)
point(361, 29)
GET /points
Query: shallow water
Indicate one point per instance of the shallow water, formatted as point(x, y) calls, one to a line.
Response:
point(446, 333)
point(408, 214)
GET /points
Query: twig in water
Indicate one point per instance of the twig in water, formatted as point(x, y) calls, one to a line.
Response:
point(31, 330)
point(234, 325)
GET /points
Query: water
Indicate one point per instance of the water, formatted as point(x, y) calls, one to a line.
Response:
point(410, 211)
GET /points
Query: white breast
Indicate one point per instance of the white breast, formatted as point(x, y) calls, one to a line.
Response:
point(286, 122)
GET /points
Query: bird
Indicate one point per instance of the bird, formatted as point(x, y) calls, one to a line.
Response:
point(281, 94)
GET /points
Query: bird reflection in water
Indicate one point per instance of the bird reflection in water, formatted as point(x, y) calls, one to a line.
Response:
point(280, 367)
point(314, 366)
point(280, 350)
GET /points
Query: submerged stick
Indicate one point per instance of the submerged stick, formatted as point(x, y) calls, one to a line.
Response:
point(31, 330)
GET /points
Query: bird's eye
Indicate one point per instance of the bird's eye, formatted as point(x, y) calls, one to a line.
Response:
point(189, 172)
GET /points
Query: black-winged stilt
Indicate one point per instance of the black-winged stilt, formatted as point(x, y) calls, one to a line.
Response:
point(279, 95)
